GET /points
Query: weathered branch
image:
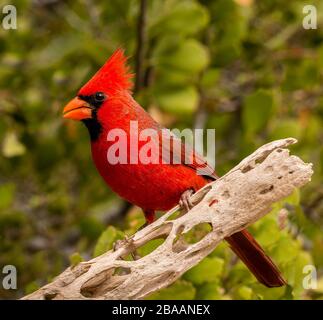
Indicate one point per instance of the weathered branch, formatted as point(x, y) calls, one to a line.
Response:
point(236, 200)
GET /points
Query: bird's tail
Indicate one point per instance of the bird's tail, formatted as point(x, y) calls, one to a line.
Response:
point(249, 251)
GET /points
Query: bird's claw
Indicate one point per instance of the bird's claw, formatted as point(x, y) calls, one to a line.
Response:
point(185, 201)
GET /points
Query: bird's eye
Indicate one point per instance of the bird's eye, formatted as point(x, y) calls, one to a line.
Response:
point(99, 96)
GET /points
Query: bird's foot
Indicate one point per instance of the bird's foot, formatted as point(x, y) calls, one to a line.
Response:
point(126, 242)
point(185, 201)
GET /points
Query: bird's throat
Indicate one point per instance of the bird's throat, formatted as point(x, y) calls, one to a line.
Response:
point(94, 127)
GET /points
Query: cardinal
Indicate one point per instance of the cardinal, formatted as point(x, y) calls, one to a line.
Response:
point(105, 103)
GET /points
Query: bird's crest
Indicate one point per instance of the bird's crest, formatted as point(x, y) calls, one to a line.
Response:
point(113, 76)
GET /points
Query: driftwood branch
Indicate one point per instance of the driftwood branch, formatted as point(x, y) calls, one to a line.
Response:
point(230, 204)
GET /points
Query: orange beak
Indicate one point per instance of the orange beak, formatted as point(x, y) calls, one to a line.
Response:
point(77, 109)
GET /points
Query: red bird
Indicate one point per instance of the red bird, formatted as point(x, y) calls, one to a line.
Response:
point(105, 103)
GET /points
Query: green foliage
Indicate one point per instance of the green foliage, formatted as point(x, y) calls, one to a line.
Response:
point(75, 259)
point(172, 16)
point(11, 146)
point(208, 270)
point(106, 240)
point(257, 110)
point(180, 290)
point(250, 66)
point(178, 101)
point(6, 195)
point(180, 61)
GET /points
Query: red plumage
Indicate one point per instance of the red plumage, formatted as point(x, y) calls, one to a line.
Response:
point(113, 76)
point(145, 185)
point(154, 186)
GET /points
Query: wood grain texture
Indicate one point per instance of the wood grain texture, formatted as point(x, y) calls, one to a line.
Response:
point(236, 200)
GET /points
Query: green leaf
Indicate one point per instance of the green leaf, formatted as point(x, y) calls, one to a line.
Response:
point(209, 291)
point(286, 128)
point(106, 240)
point(174, 18)
point(267, 231)
point(150, 246)
point(12, 147)
point(182, 101)
point(238, 274)
point(257, 109)
point(172, 78)
point(265, 293)
point(208, 270)
point(294, 272)
point(180, 290)
point(244, 293)
point(286, 249)
point(293, 199)
point(288, 294)
point(75, 259)
point(178, 59)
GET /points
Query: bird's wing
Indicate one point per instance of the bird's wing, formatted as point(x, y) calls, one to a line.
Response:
point(174, 151)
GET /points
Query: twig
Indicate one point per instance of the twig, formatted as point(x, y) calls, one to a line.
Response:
point(139, 71)
point(141, 40)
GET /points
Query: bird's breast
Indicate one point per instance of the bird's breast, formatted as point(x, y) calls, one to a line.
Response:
point(147, 185)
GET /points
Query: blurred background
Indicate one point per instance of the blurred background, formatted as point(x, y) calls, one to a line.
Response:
point(246, 68)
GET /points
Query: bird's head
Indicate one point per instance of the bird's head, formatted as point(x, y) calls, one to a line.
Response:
point(94, 96)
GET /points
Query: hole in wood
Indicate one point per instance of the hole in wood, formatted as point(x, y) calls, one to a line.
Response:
point(91, 287)
point(246, 169)
point(212, 202)
point(194, 235)
point(197, 233)
point(266, 190)
point(179, 243)
point(128, 256)
point(269, 169)
point(160, 278)
point(150, 246)
point(50, 295)
point(157, 238)
point(175, 215)
point(225, 194)
point(262, 158)
point(80, 269)
point(120, 271)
